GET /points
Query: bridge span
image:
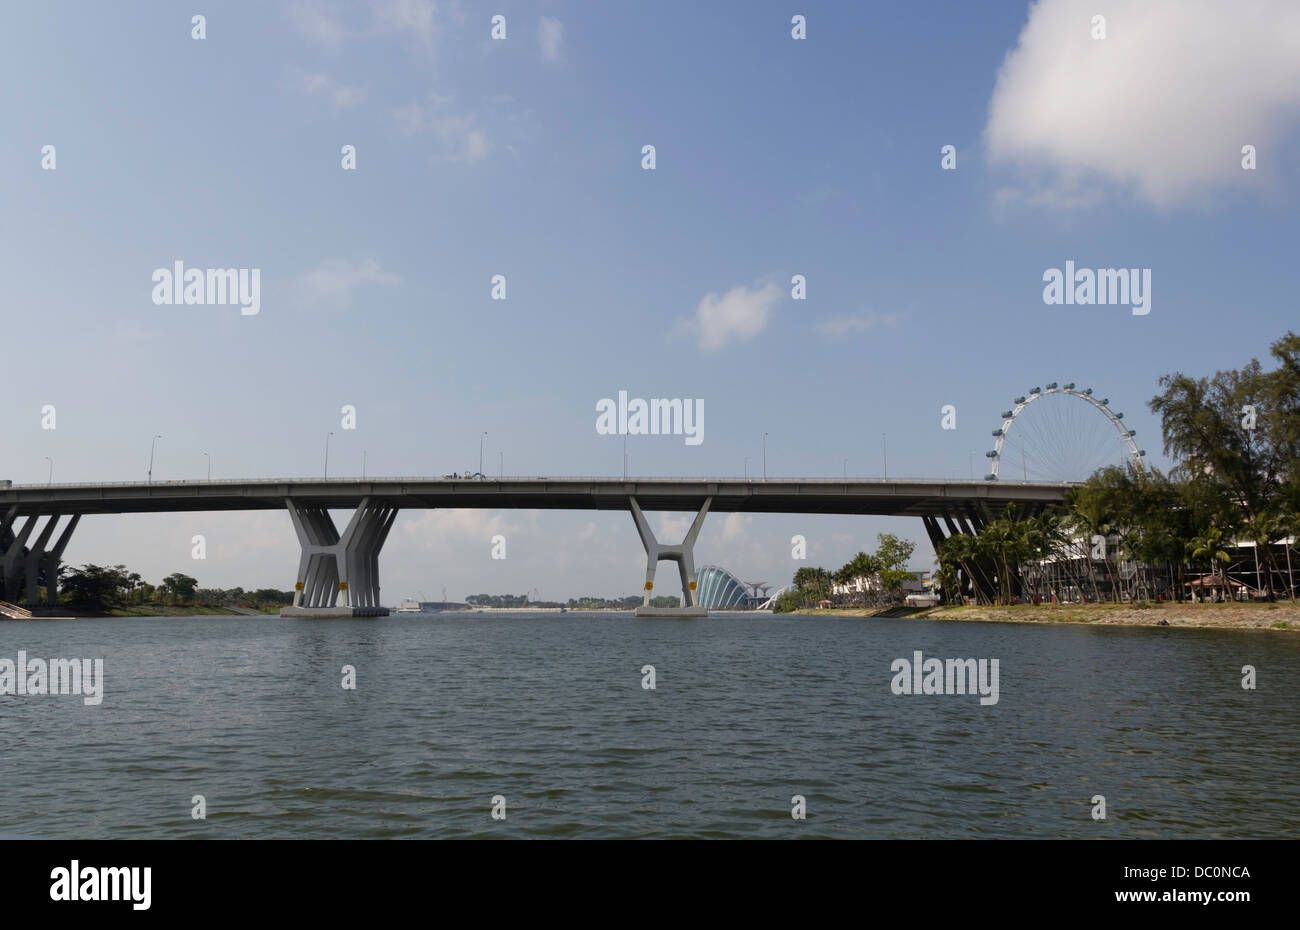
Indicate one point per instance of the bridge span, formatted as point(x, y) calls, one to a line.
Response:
point(338, 572)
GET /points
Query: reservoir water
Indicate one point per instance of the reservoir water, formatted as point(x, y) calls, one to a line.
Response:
point(549, 712)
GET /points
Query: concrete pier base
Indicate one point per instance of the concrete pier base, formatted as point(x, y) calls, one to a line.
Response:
point(332, 613)
point(694, 612)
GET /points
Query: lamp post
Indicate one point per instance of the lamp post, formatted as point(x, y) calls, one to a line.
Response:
point(846, 468)
point(209, 458)
point(884, 454)
point(747, 468)
point(327, 454)
point(481, 437)
point(152, 446)
point(501, 464)
point(765, 456)
point(363, 464)
point(51, 461)
point(625, 455)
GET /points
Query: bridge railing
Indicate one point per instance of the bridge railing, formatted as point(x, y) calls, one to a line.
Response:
point(605, 479)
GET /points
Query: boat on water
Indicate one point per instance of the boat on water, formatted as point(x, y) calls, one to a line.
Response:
point(409, 606)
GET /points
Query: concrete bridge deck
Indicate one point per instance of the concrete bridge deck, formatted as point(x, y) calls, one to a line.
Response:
point(904, 497)
point(338, 571)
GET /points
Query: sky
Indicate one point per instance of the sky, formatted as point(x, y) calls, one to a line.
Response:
point(523, 157)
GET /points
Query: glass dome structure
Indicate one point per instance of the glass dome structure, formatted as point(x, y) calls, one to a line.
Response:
point(718, 589)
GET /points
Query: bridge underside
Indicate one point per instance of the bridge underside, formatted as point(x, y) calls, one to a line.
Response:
point(901, 498)
point(338, 573)
point(978, 577)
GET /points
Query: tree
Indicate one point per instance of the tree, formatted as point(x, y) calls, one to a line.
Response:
point(210, 597)
point(860, 566)
point(133, 582)
point(892, 556)
point(1207, 546)
point(94, 587)
point(947, 581)
point(1239, 433)
point(788, 602)
point(180, 588)
point(961, 550)
point(998, 540)
point(813, 583)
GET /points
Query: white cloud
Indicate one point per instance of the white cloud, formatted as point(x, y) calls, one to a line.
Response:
point(459, 134)
point(1161, 106)
point(335, 280)
point(340, 95)
point(741, 313)
point(411, 16)
point(673, 527)
point(735, 528)
point(316, 22)
point(843, 325)
point(550, 37)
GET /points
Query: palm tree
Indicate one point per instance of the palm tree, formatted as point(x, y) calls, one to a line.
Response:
point(1207, 546)
point(1043, 540)
point(964, 550)
point(998, 541)
point(1263, 528)
point(1088, 513)
point(946, 579)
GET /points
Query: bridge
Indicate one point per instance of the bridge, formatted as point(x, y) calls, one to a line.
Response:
point(338, 572)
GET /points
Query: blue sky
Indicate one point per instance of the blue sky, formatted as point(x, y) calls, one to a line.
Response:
point(522, 157)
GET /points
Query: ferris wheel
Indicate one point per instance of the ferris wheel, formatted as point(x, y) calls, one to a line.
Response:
point(1057, 438)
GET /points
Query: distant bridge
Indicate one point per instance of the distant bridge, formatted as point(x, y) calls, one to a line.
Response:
point(338, 571)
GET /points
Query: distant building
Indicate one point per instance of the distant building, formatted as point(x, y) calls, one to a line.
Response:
point(919, 583)
point(862, 584)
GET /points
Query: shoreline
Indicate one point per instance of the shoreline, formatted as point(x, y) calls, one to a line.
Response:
point(1283, 616)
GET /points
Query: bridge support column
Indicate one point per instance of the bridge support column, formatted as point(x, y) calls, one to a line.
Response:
point(52, 559)
point(683, 555)
point(13, 567)
point(26, 567)
point(975, 575)
point(338, 574)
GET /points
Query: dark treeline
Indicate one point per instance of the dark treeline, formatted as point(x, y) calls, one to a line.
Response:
point(98, 587)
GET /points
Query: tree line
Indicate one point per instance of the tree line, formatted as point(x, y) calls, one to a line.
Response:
point(1136, 533)
point(98, 587)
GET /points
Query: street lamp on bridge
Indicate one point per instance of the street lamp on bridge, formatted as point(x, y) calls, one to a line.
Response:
point(327, 453)
point(152, 445)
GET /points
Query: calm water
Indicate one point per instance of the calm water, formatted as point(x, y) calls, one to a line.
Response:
point(549, 712)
